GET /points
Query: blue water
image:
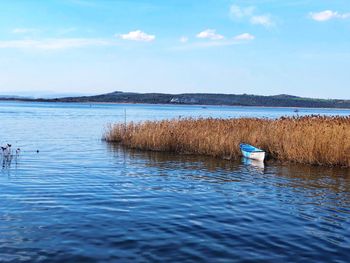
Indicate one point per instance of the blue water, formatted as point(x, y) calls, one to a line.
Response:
point(82, 200)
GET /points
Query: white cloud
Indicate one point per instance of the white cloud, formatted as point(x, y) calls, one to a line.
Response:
point(55, 43)
point(183, 39)
point(249, 14)
point(138, 35)
point(25, 30)
point(328, 15)
point(245, 36)
point(210, 34)
point(264, 20)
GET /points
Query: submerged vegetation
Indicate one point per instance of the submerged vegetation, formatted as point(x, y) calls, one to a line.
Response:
point(310, 139)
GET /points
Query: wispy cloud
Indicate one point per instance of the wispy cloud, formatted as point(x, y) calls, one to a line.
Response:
point(239, 39)
point(328, 15)
point(63, 31)
point(59, 31)
point(245, 36)
point(210, 34)
point(55, 43)
point(137, 35)
point(264, 20)
point(183, 39)
point(25, 30)
point(238, 12)
point(251, 15)
point(201, 45)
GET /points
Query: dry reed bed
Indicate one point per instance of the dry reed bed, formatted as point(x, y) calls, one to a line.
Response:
point(309, 139)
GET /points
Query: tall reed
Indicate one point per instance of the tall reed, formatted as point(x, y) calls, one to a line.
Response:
point(310, 139)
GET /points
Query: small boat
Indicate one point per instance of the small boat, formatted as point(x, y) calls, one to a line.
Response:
point(252, 152)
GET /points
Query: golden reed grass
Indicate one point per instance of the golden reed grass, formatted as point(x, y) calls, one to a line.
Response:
point(310, 139)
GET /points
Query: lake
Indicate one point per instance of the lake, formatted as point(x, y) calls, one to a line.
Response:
point(80, 199)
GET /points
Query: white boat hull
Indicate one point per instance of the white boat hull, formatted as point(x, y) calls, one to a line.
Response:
point(259, 156)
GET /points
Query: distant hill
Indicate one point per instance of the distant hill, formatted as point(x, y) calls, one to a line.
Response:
point(2, 97)
point(282, 100)
point(39, 94)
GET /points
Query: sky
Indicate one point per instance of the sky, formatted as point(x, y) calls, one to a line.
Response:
point(265, 47)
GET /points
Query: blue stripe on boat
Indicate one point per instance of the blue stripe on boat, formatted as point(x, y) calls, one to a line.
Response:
point(249, 148)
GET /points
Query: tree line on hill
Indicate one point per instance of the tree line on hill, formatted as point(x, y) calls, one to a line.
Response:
point(202, 99)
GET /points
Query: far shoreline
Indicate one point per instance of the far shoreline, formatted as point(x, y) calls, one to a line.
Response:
point(165, 104)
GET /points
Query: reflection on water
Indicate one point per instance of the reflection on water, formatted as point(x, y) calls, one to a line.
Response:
point(8, 160)
point(306, 176)
point(259, 165)
point(82, 200)
point(318, 196)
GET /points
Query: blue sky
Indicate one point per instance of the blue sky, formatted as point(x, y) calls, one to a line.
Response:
point(267, 47)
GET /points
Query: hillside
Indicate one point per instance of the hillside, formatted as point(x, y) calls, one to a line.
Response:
point(282, 100)
point(211, 99)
